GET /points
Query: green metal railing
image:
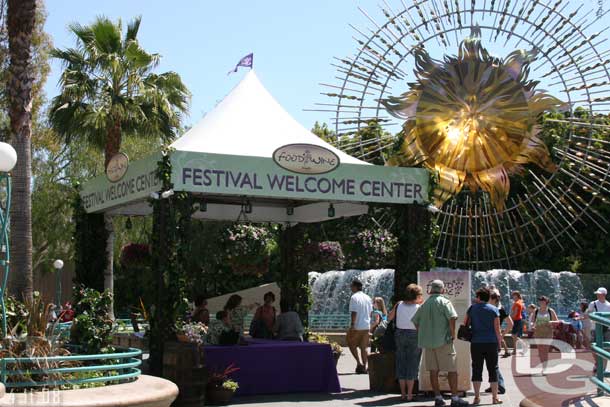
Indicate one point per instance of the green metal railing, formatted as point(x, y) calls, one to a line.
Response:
point(119, 367)
point(600, 350)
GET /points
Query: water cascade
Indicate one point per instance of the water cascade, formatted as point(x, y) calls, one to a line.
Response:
point(331, 291)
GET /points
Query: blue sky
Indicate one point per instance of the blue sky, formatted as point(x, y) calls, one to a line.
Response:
point(293, 42)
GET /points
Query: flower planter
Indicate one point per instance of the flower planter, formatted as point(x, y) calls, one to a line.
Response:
point(182, 338)
point(218, 396)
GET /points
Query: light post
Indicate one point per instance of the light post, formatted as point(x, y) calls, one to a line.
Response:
point(8, 159)
point(58, 265)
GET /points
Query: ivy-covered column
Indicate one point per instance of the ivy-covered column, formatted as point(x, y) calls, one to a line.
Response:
point(294, 280)
point(170, 240)
point(414, 252)
point(90, 239)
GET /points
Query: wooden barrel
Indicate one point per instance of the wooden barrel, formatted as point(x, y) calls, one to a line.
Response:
point(382, 372)
point(183, 364)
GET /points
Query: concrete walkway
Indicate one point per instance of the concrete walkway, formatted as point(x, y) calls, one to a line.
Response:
point(355, 393)
point(567, 388)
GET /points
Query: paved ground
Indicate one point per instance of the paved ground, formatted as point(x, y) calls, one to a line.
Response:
point(567, 386)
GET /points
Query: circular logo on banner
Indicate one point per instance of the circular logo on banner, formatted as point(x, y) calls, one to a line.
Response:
point(117, 167)
point(306, 158)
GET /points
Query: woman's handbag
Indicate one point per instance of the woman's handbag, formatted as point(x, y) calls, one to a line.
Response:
point(388, 342)
point(465, 333)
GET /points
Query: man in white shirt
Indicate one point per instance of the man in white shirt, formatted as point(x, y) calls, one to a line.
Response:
point(360, 307)
point(600, 305)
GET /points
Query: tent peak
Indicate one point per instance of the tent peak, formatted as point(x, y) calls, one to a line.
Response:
point(250, 122)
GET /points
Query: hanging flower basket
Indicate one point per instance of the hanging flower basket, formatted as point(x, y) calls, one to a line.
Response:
point(135, 255)
point(247, 249)
point(250, 269)
point(324, 256)
point(371, 248)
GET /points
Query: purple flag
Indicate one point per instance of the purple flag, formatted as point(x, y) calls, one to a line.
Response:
point(246, 62)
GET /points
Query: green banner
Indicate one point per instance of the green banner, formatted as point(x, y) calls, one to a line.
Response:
point(258, 176)
point(137, 183)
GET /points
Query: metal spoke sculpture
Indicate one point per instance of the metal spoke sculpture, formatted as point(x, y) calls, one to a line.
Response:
point(505, 188)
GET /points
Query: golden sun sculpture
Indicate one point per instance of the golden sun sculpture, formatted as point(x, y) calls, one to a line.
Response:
point(473, 120)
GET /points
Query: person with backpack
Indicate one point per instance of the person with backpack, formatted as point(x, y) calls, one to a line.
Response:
point(379, 317)
point(542, 323)
point(600, 305)
point(408, 353)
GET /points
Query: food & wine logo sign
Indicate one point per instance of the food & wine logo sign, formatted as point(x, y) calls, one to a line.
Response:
point(306, 159)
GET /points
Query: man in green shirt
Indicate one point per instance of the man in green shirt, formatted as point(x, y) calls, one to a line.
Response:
point(435, 322)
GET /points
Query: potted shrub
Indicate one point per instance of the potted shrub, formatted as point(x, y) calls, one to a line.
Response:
point(323, 339)
point(337, 351)
point(220, 388)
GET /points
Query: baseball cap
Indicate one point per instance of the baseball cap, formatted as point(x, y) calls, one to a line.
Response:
point(436, 286)
point(601, 290)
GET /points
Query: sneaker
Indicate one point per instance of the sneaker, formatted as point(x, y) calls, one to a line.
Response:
point(439, 402)
point(459, 403)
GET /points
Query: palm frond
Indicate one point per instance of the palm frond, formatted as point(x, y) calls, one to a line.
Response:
point(106, 35)
point(132, 29)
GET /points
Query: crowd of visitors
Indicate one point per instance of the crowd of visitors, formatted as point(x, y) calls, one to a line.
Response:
point(427, 330)
point(421, 332)
point(228, 325)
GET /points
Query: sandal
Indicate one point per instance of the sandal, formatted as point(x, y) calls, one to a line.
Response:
point(497, 401)
point(476, 401)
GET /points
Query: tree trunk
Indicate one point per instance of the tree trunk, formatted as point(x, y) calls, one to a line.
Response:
point(412, 228)
point(113, 146)
point(113, 143)
point(109, 270)
point(21, 17)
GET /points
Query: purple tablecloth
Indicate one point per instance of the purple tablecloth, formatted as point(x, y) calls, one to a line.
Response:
point(268, 367)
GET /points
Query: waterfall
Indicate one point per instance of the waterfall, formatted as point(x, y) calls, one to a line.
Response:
point(331, 290)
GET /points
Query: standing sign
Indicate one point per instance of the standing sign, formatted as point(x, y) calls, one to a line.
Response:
point(457, 289)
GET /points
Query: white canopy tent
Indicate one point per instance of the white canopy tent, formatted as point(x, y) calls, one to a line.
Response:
point(250, 122)
point(227, 162)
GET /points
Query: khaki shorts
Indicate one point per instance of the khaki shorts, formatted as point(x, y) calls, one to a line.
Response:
point(441, 359)
point(357, 338)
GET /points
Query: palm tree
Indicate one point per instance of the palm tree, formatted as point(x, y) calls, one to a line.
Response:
point(21, 19)
point(109, 91)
